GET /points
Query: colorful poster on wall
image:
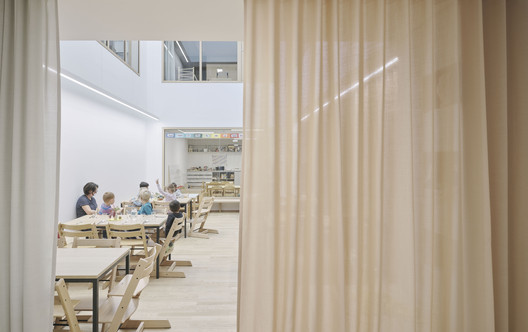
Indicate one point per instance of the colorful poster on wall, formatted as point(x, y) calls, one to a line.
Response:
point(189, 135)
point(169, 135)
point(216, 135)
point(180, 135)
point(197, 135)
point(206, 136)
point(234, 135)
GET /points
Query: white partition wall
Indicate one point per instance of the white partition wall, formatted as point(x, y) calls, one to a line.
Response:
point(100, 143)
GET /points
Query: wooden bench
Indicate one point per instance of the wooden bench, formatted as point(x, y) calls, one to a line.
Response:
point(226, 200)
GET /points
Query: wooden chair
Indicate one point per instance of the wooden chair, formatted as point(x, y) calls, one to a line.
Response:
point(160, 207)
point(166, 250)
point(65, 307)
point(121, 287)
point(82, 231)
point(209, 186)
point(128, 207)
point(216, 191)
point(131, 235)
point(119, 306)
point(200, 217)
point(100, 243)
point(229, 190)
point(196, 202)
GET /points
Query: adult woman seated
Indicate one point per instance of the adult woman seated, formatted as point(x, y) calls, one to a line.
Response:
point(86, 204)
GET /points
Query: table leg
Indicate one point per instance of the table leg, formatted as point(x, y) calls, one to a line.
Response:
point(185, 222)
point(157, 258)
point(127, 264)
point(95, 306)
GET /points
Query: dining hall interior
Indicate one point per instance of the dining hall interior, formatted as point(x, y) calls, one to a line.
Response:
point(263, 165)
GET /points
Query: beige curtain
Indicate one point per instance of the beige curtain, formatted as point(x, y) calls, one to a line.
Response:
point(29, 152)
point(385, 162)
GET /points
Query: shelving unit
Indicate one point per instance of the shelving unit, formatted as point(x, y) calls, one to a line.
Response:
point(224, 176)
point(195, 178)
point(215, 148)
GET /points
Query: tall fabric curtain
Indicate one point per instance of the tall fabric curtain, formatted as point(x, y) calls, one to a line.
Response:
point(385, 162)
point(29, 142)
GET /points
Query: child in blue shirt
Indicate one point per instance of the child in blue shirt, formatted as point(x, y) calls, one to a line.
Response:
point(146, 208)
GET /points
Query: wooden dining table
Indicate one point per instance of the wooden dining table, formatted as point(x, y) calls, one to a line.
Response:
point(89, 265)
point(153, 221)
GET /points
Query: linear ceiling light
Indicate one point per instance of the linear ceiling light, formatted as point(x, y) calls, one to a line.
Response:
point(181, 49)
point(107, 96)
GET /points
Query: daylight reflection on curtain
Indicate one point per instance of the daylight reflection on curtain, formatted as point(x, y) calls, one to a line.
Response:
point(366, 202)
point(29, 141)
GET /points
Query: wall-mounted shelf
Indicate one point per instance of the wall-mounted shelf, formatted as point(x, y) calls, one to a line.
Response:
point(215, 148)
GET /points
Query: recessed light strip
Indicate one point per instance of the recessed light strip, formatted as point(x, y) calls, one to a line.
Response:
point(107, 96)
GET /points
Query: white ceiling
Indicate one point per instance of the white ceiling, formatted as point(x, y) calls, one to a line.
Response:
point(211, 20)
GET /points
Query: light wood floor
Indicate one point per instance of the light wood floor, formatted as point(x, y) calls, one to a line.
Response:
point(206, 300)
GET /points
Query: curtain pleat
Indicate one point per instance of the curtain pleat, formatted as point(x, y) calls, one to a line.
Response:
point(29, 129)
point(382, 151)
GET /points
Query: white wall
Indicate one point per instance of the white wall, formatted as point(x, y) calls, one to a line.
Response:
point(94, 64)
point(99, 143)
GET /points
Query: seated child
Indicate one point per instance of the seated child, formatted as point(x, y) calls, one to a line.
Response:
point(172, 191)
point(108, 206)
point(146, 208)
point(174, 206)
point(136, 200)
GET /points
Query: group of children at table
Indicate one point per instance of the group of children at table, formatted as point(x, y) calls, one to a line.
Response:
point(86, 204)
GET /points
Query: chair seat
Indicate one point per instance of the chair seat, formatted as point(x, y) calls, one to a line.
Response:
point(108, 309)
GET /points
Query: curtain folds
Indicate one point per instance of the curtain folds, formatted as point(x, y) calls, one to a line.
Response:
point(29, 146)
point(384, 166)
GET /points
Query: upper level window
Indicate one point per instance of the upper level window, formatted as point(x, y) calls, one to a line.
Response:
point(126, 50)
point(201, 61)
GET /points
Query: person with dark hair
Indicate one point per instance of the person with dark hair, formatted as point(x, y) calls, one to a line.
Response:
point(86, 204)
point(136, 200)
point(174, 206)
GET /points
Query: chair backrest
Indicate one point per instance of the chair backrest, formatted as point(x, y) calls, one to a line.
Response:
point(143, 269)
point(128, 207)
point(82, 230)
point(229, 190)
point(67, 305)
point(96, 243)
point(126, 231)
point(176, 226)
point(216, 191)
point(205, 207)
point(161, 207)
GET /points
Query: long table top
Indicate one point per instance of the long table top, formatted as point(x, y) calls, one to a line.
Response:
point(87, 263)
point(149, 221)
